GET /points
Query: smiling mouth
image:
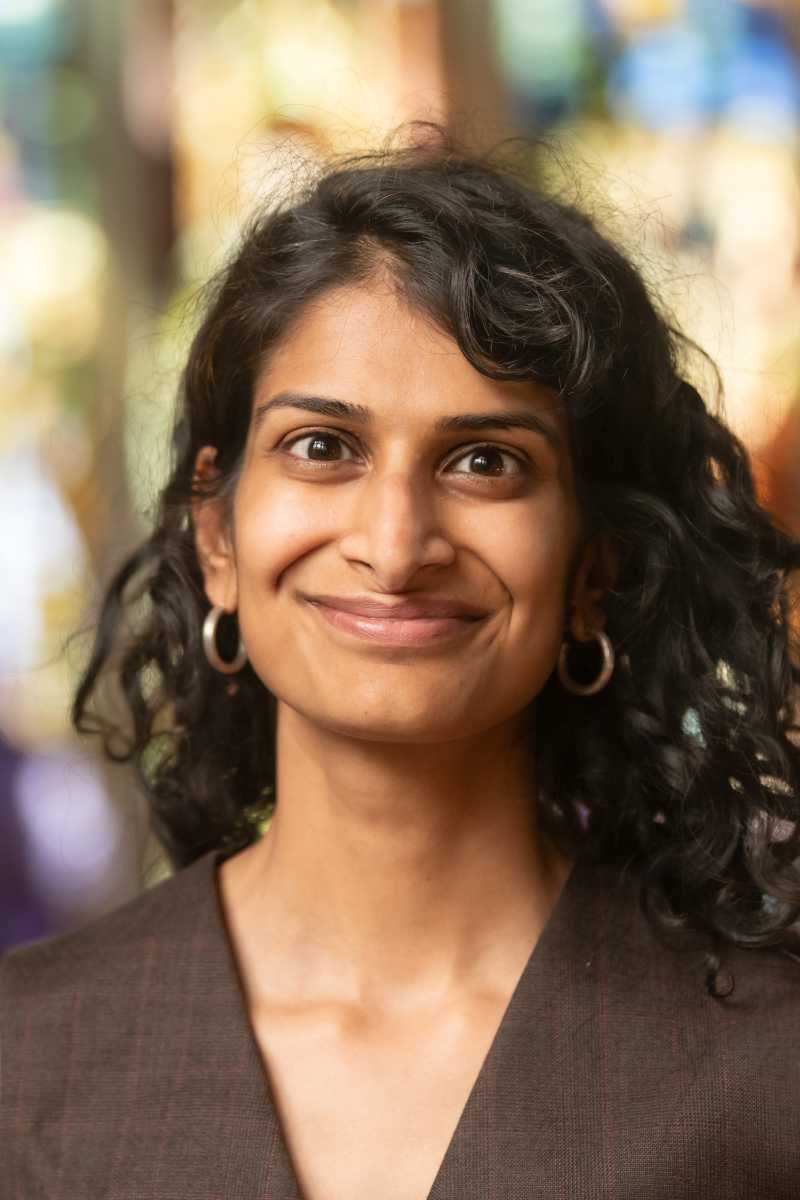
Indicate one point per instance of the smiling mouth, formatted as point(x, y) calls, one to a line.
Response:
point(397, 631)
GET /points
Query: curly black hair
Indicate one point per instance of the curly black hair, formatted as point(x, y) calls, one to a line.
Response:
point(687, 763)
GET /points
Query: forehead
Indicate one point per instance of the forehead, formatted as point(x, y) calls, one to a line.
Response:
point(365, 344)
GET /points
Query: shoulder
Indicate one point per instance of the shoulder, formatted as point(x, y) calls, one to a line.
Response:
point(687, 1059)
point(44, 984)
point(765, 983)
point(109, 1034)
point(103, 943)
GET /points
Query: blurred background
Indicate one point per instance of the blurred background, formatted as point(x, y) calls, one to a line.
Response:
point(134, 137)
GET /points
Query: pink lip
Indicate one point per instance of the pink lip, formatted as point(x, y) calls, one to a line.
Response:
point(429, 607)
point(396, 631)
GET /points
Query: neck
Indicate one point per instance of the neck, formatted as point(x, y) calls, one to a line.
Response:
point(392, 870)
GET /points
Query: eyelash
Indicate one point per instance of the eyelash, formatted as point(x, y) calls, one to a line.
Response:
point(524, 465)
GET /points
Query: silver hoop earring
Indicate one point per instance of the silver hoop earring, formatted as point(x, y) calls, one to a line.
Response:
point(210, 644)
point(606, 671)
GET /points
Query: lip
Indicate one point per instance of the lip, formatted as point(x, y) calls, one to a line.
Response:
point(432, 607)
point(397, 631)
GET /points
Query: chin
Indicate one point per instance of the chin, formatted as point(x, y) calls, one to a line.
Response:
point(395, 731)
point(395, 727)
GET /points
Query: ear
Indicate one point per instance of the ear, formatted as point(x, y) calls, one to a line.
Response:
point(212, 539)
point(596, 575)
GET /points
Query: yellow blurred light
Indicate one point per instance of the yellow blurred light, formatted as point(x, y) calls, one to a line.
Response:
point(54, 262)
point(52, 253)
point(631, 13)
point(310, 63)
point(29, 406)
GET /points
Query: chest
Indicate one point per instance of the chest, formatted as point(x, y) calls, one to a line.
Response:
point(369, 1108)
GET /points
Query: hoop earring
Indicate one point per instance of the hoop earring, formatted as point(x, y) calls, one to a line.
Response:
point(606, 671)
point(210, 644)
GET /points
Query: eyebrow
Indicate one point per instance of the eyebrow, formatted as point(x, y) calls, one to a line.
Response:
point(465, 422)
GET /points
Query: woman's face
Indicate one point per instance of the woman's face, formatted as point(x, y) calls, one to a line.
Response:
point(380, 500)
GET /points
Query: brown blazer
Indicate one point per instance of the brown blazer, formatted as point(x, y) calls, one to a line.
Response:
point(130, 1070)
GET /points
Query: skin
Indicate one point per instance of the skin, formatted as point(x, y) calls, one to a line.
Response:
point(403, 881)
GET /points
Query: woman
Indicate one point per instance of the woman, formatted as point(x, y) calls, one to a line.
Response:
point(459, 578)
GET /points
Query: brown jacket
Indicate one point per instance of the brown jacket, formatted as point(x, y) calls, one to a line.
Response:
point(130, 1070)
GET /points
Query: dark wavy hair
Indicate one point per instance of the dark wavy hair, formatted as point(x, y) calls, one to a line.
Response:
point(687, 763)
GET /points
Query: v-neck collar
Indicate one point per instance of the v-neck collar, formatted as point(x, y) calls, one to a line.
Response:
point(272, 1172)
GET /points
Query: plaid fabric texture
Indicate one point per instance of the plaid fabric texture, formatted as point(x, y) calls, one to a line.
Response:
point(130, 1070)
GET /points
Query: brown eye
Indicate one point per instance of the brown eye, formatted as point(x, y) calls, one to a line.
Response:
point(318, 439)
point(489, 460)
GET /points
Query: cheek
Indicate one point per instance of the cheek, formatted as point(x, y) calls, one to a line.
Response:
point(534, 567)
point(273, 533)
point(530, 555)
point(537, 578)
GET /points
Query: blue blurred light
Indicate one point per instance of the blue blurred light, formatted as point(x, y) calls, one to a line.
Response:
point(763, 82)
point(34, 31)
point(664, 79)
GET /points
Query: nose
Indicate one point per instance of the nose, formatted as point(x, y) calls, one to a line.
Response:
point(395, 529)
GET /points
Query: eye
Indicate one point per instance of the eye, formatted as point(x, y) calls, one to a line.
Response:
point(489, 457)
point(318, 438)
